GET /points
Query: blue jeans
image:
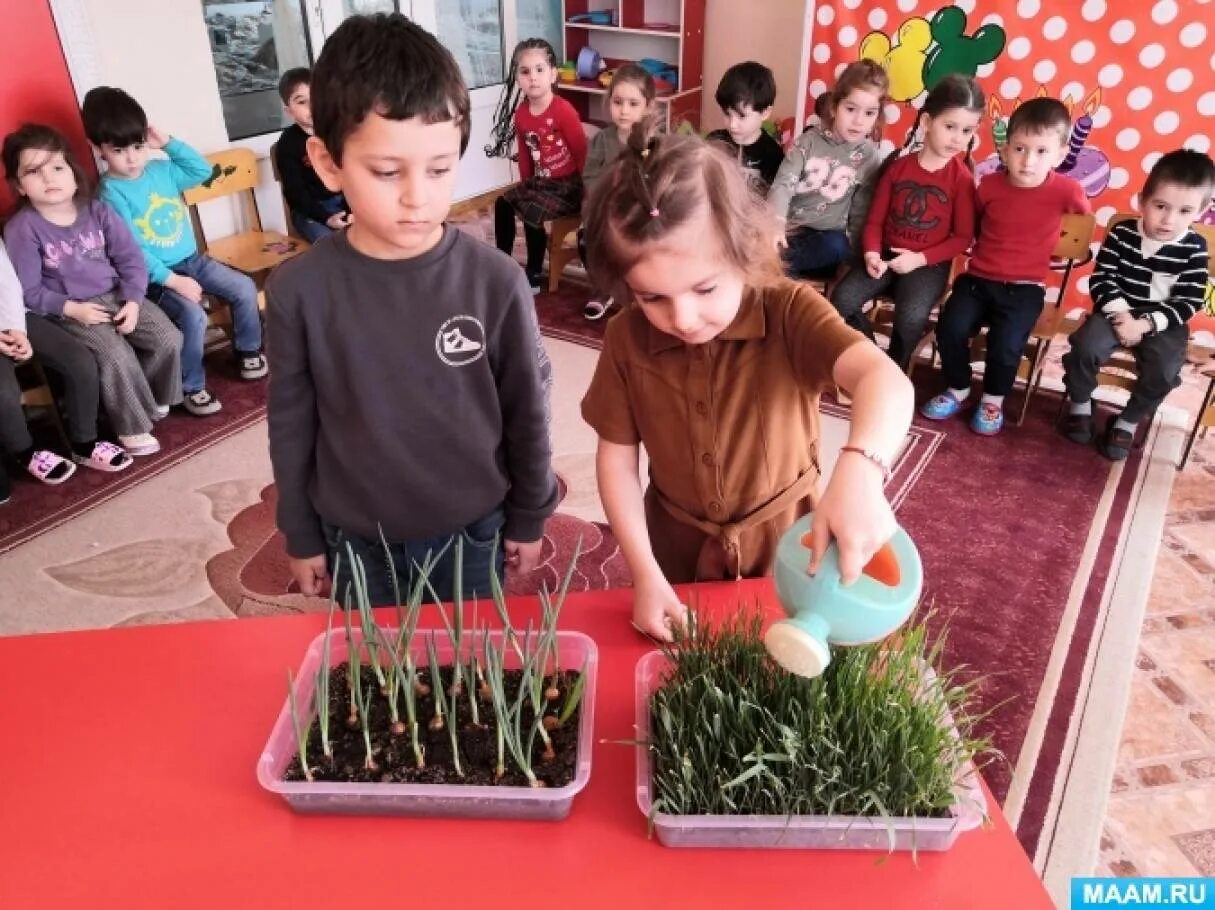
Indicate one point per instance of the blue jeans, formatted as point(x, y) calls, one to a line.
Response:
point(816, 254)
point(237, 289)
point(1008, 308)
point(478, 538)
point(312, 230)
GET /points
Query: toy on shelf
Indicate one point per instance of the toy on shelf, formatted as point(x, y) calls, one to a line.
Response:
point(595, 17)
point(568, 71)
point(590, 64)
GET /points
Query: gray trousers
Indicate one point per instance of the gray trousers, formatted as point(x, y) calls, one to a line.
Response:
point(914, 295)
point(71, 361)
point(1158, 361)
point(138, 371)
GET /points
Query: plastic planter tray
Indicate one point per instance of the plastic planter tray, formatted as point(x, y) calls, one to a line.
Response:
point(819, 832)
point(445, 800)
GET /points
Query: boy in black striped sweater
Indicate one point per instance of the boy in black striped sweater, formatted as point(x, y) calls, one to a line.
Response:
point(1149, 281)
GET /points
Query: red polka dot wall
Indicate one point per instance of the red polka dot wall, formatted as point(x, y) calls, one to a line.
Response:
point(1137, 75)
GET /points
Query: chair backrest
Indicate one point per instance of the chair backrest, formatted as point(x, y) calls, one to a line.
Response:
point(291, 231)
point(233, 172)
point(1075, 234)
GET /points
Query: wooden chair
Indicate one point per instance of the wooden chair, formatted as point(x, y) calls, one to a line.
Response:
point(563, 234)
point(1205, 419)
point(291, 231)
point(881, 317)
point(254, 251)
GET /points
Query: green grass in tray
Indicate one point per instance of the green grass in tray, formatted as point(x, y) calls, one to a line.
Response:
point(734, 734)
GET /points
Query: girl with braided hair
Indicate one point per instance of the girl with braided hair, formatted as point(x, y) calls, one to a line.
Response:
point(715, 366)
point(551, 150)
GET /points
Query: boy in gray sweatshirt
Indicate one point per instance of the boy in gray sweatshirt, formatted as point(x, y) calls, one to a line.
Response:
point(408, 400)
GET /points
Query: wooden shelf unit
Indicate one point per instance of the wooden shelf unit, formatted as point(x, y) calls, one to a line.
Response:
point(672, 31)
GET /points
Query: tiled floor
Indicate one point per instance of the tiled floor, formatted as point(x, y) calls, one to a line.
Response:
point(1161, 816)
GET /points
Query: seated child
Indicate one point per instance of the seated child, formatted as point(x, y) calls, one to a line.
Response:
point(716, 368)
point(1018, 212)
point(77, 262)
point(147, 194)
point(923, 215)
point(408, 400)
point(745, 95)
point(552, 153)
point(1149, 281)
point(315, 211)
point(813, 193)
point(630, 99)
point(60, 352)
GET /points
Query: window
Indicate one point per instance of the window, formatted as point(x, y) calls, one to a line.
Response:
point(254, 41)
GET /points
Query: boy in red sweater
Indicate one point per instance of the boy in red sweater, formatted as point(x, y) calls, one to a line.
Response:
point(1018, 212)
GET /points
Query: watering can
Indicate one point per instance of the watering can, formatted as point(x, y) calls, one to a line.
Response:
point(823, 611)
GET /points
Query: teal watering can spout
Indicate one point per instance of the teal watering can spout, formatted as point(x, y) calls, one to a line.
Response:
point(822, 611)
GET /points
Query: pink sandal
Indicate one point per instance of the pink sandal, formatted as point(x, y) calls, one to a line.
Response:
point(106, 457)
point(43, 463)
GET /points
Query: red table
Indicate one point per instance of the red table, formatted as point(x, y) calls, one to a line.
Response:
point(127, 780)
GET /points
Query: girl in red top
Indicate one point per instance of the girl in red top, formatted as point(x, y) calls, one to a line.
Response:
point(552, 152)
point(922, 216)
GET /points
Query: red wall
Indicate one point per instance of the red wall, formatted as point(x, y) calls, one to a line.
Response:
point(36, 86)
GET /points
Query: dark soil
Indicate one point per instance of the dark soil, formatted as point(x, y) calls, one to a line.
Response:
point(394, 756)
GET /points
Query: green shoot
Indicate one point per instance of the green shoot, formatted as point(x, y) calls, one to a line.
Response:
point(392, 574)
point(395, 674)
point(322, 684)
point(493, 669)
point(498, 596)
point(552, 612)
point(301, 732)
point(366, 619)
point(363, 701)
point(534, 676)
point(436, 685)
point(573, 695)
point(474, 671)
point(353, 664)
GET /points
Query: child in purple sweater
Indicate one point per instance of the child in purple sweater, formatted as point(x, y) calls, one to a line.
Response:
point(77, 262)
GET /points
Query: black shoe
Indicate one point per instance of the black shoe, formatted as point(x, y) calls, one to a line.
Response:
point(535, 282)
point(1079, 428)
point(5, 495)
point(1116, 442)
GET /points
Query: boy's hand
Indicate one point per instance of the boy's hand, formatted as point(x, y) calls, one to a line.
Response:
point(875, 265)
point(311, 574)
point(906, 261)
point(522, 556)
point(657, 609)
point(1130, 330)
point(337, 222)
point(855, 512)
point(156, 139)
point(86, 313)
point(126, 317)
point(185, 286)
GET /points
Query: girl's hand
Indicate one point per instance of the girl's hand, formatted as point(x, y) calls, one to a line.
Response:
point(906, 261)
point(156, 139)
point(657, 608)
point(126, 317)
point(336, 222)
point(875, 265)
point(311, 574)
point(854, 511)
point(86, 313)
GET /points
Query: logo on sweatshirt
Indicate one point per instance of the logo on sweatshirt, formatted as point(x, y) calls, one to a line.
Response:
point(162, 222)
point(460, 341)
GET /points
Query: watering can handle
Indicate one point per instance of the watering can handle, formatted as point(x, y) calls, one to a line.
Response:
point(883, 566)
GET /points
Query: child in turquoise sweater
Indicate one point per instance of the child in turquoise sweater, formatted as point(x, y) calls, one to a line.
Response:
point(147, 193)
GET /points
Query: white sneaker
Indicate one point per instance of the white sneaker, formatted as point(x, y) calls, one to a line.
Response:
point(201, 403)
point(253, 366)
point(139, 444)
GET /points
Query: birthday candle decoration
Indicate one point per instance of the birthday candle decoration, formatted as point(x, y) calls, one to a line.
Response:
point(999, 133)
point(1079, 135)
